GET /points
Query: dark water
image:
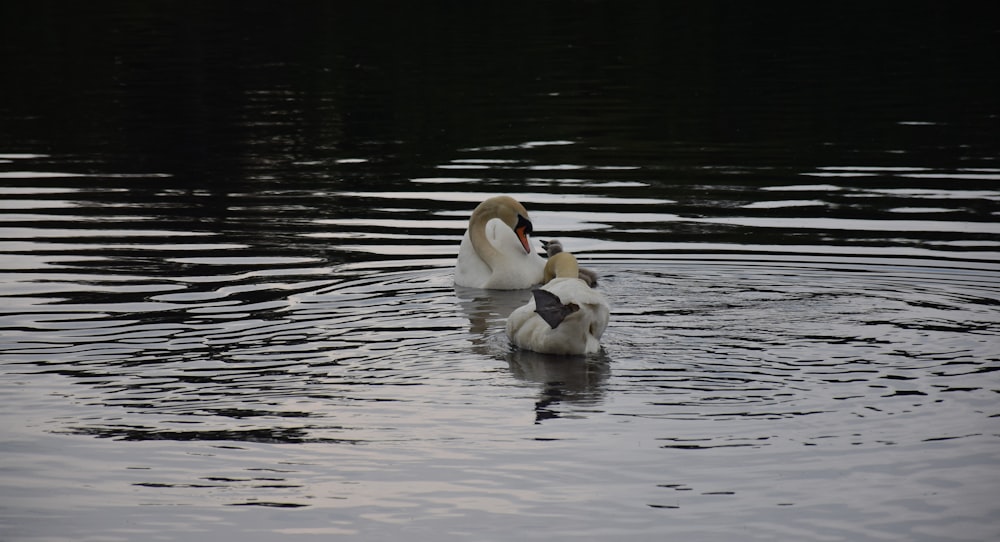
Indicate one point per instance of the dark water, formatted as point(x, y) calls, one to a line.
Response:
point(227, 232)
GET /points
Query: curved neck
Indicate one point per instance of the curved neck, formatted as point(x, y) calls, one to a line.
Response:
point(508, 211)
point(477, 234)
point(561, 265)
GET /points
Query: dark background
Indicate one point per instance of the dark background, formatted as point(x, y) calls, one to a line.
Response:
point(207, 91)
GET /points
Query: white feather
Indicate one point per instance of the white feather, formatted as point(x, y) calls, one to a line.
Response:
point(513, 269)
point(579, 333)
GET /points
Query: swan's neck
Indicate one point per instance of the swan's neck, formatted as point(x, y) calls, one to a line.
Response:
point(484, 248)
point(514, 217)
point(561, 265)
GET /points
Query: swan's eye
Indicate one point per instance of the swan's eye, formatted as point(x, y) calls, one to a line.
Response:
point(523, 225)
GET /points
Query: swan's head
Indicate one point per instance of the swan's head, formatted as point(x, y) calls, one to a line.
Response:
point(561, 265)
point(552, 247)
point(523, 228)
point(511, 212)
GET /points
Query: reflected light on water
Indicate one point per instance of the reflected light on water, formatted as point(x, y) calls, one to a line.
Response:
point(228, 305)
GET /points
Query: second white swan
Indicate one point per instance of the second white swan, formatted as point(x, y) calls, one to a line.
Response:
point(496, 250)
point(566, 316)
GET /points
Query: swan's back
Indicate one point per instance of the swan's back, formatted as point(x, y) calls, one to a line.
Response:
point(578, 333)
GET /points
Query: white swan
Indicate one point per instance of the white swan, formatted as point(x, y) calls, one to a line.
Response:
point(566, 316)
point(496, 250)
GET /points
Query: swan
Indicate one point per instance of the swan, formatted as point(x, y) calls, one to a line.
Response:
point(496, 250)
point(554, 247)
point(565, 316)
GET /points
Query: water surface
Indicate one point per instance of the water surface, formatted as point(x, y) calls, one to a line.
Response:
point(228, 307)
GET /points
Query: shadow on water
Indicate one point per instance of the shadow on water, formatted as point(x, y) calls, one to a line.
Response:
point(575, 380)
point(488, 309)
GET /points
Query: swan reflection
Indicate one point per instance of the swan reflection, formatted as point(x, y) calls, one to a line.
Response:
point(580, 381)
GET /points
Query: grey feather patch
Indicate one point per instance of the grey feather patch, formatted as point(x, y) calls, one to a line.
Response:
point(552, 247)
point(548, 306)
point(588, 276)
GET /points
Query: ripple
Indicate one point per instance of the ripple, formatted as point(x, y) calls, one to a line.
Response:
point(784, 203)
point(746, 341)
point(526, 197)
point(308, 350)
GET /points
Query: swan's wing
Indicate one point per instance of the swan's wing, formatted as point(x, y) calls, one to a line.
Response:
point(550, 308)
point(599, 323)
point(501, 236)
point(470, 269)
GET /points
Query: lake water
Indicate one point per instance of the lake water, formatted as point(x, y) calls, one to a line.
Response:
point(226, 250)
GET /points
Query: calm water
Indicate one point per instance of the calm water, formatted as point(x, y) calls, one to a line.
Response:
point(226, 241)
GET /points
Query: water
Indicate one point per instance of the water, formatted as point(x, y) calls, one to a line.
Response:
point(228, 309)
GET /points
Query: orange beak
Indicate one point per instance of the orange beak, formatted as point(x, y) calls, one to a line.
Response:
point(522, 229)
